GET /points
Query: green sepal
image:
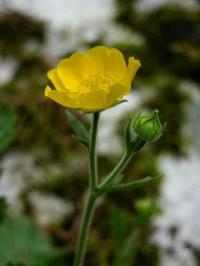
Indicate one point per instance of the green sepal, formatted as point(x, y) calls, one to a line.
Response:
point(80, 132)
point(118, 102)
point(133, 143)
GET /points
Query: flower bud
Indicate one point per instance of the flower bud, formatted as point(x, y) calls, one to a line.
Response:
point(148, 127)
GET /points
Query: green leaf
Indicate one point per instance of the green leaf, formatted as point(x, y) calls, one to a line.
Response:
point(21, 242)
point(117, 179)
point(8, 126)
point(134, 184)
point(80, 132)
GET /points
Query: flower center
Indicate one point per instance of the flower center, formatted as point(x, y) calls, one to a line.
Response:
point(95, 82)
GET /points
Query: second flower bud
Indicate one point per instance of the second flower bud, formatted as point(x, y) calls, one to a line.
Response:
point(148, 127)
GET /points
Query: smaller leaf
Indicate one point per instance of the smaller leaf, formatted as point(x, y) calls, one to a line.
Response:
point(80, 132)
point(117, 179)
point(134, 184)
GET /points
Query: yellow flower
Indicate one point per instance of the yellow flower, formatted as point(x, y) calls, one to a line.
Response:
point(92, 80)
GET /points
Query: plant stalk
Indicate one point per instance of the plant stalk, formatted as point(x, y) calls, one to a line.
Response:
point(92, 196)
point(84, 231)
point(92, 153)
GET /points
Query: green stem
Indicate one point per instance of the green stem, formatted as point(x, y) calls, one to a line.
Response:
point(117, 170)
point(92, 155)
point(138, 144)
point(90, 204)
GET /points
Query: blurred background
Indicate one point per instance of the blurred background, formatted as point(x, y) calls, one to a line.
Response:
point(43, 171)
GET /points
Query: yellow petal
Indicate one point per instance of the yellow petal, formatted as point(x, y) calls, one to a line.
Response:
point(109, 62)
point(99, 55)
point(64, 98)
point(116, 65)
point(53, 76)
point(93, 100)
point(132, 68)
point(71, 70)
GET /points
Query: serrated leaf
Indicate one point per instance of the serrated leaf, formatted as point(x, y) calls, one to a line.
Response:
point(80, 132)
